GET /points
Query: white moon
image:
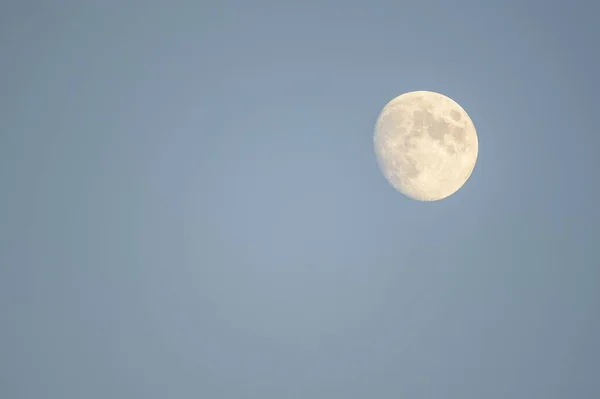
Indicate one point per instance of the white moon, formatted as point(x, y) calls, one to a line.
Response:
point(426, 145)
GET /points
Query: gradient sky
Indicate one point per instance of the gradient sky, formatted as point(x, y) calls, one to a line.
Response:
point(191, 205)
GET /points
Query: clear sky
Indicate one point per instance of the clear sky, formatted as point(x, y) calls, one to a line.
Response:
point(190, 204)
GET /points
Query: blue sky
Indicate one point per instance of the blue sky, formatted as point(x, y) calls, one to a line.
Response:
point(191, 205)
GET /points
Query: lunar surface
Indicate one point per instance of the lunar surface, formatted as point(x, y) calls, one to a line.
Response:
point(426, 145)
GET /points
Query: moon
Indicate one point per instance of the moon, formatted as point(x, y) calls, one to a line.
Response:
point(426, 145)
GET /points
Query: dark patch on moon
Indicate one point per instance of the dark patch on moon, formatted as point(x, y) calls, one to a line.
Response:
point(408, 142)
point(459, 134)
point(437, 128)
point(409, 169)
point(419, 121)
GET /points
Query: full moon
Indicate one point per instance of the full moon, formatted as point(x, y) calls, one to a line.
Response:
point(426, 145)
